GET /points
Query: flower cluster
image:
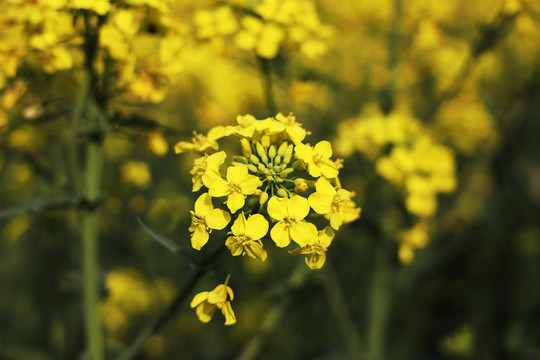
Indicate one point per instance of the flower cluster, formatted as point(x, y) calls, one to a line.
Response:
point(280, 188)
point(406, 155)
point(267, 27)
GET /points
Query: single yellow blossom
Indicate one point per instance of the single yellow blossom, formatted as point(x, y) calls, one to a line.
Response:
point(331, 203)
point(199, 143)
point(290, 214)
point(238, 184)
point(292, 127)
point(317, 159)
point(205, 218)
point(206, 165)
point(246, 236)
point(317, 250)
point(207, 302)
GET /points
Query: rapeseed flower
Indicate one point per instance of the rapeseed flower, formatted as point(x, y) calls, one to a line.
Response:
point(290, 214)
point(317, 249)
point(246, 236)
point(207, 302)
point(204, 219)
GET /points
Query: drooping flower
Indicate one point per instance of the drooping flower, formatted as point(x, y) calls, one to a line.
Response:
point(199, 143)
point(317, 159)
point(207, 302)
point(317, 249)
point(335, 205)
point(246, 236)
point(205, 218)
point(290, 214)
point(238, 184)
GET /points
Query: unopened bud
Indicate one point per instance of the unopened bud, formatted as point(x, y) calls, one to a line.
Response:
point(288, 154)
point(263, 198)
point(261, 153)
point(298, 165)
point(265, 141)
point(261, 167)
point(240, 159)
point(282, 192)
point(300, 185)
point(277, 159)
point(282, 148)
point(272, 152)
point(246, 148)
point(287, 171)
point(254, 159)
point(252, 168)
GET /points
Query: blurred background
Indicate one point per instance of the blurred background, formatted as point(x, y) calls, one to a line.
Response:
point(433, 107)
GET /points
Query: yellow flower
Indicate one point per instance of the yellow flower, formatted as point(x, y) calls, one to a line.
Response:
point(316, 249)
point(206, 165)
point(333, 203)
point(238, 184)
point(205, 218)
point(292, 127)
point(317, 159)
point(247, 235)
point(290, 214)
point(207, 302)
point(199, 143)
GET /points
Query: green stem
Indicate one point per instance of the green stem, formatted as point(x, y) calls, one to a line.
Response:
point(173, 307)
point(273, 318)
point(267, 85)
point(380, 305)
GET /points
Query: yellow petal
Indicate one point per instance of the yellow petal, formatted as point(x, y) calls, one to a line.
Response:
point(217, 219)
point(298, 207)
point(234, 246)
point(205, 311)
point(203, 205)
point(316, 261)
point(256, 227)
point(218, 188)
point(236, 174)
point(296, 133)
point(280, 235)
point(304, 152)
point(218, 295)
point(235, 201)
point(199, 238)
point(239, 226)
point(256, 251)
point(336, 219)
point(323, 148)
point(249, 184)
point(302, 233)
point(228, 312)
point(277, 208)
point(329, 169)
point(326, 236)
point(321, 201)
point(199, 298)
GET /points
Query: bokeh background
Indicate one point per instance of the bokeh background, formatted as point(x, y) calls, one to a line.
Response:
point(432, 105)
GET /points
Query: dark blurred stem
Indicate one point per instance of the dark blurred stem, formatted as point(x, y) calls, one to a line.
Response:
point(92, 177)
point(73, 152)
point(340, 308)
point(380, 305)
point(387, 100)
point(267, 84)
point(173, 307)
point(273, 317)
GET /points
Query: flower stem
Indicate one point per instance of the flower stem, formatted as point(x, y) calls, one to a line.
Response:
point(267, 85)
point(380, 304)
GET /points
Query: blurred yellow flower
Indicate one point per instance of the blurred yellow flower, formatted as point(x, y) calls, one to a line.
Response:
point(207, 302)
point(136, 173)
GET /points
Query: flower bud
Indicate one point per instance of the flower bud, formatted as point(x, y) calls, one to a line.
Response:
point(246, 148)
point(261, 167)
point(272, 152)
point(282, 148)
point(254, 159)
point(282, 192)
point(240, 159)
point(265, 141)
point(252, 168)
point(300, 185)
point(298, 165)
point(261, 153)
point(263, 198)
point(277, 159)
point(286, 172)
point(287, 156)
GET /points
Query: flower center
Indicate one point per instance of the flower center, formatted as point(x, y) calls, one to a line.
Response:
point(290, 221)
point(234, 187)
